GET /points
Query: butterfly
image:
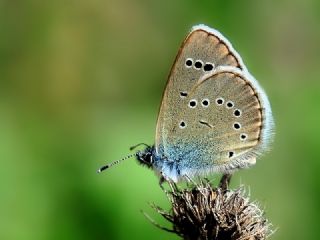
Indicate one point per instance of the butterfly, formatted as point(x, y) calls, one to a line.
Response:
point(214, 116)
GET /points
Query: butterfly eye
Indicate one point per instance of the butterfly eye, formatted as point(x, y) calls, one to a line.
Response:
point(236, 126)
point(205, 102)
point(243, 136)
point(219, 101)
point(189, 62)
point(230, 104)
point(198, 64)
point(193, 103)
point(237, 113)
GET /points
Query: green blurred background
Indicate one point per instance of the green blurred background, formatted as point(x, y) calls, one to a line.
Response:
point(81, 82)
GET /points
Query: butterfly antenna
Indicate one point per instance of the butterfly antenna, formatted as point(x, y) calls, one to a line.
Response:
point(115, 162)
point(139, 144)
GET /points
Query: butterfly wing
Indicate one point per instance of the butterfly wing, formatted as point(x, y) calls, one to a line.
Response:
point(222, 124)
point(203, 50)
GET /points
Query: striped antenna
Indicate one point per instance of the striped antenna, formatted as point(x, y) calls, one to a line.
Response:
point(115, 162)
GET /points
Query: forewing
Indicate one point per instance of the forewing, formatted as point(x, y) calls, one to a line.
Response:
point(202, 52)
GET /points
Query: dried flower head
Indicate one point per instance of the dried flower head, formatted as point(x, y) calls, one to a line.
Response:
point(204, 212)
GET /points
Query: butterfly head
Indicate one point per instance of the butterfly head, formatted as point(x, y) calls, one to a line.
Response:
point(145, 157)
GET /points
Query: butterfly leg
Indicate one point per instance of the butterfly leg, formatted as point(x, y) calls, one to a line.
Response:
point(161, 181)
point(225, 181)
point(189, 179)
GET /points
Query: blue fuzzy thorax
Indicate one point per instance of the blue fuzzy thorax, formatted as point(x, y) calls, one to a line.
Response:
point(166, 168)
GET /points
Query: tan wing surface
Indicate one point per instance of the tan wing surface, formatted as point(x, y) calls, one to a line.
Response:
point(202, 52)
point(222, 122)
